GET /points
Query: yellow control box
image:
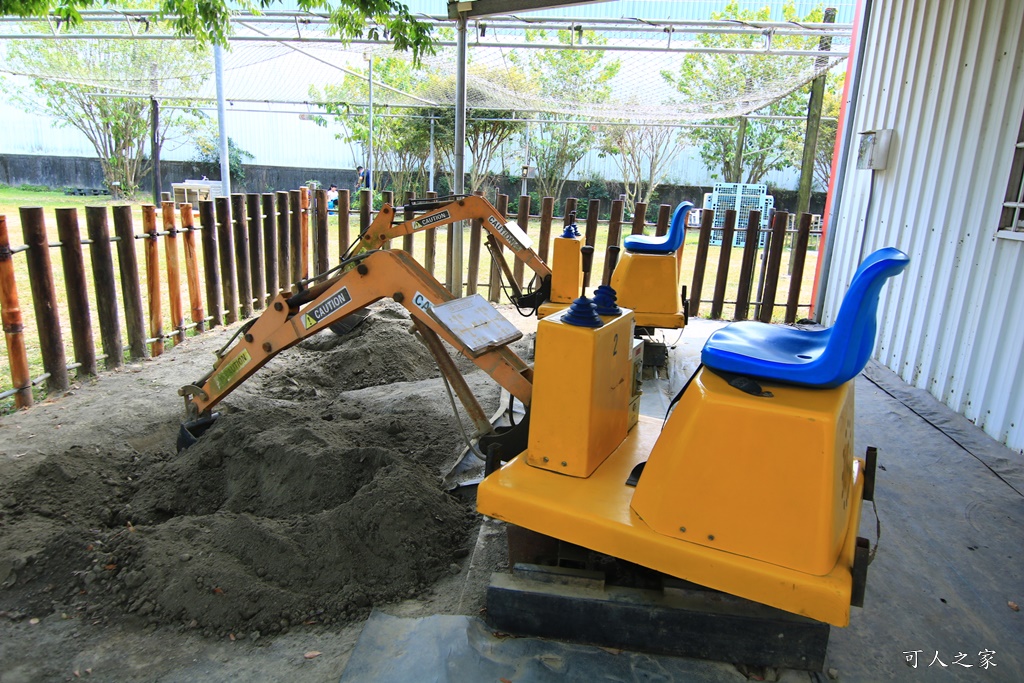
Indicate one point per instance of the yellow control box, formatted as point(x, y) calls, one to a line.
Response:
point(566, 269)
point(583, 382)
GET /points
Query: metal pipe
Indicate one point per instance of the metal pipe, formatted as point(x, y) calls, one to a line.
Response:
point(225, 158)
point(455, 231)
point(369, 159)
point(440, 43)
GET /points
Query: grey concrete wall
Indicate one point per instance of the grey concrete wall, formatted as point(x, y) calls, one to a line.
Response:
point(59, 172)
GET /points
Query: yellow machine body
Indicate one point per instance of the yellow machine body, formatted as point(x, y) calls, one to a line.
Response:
point(649, 284)
point(767, 477)
point(566, 270)
point(755, 496)
point(583, 384)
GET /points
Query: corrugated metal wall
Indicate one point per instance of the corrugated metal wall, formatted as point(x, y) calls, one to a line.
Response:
point(948, 77)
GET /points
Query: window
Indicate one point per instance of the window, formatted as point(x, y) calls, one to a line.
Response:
point(1011, 221)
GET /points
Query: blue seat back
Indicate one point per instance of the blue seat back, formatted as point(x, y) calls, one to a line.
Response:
point(672, 240)
point(852, 338)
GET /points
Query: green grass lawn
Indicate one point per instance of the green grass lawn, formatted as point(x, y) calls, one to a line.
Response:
point(12, 199)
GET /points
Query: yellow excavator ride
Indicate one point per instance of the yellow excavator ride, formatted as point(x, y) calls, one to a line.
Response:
point(749, 486)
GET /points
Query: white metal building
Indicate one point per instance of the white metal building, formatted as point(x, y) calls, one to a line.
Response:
point(948, 79)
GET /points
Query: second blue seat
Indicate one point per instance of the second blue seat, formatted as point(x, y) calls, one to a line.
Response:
point(813, 358)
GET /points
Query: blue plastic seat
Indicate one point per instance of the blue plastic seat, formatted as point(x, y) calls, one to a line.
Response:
point(812, 358)
point(667, 243)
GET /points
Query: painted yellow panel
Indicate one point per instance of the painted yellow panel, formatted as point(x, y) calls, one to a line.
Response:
point(581, 392)
point(566, 269)
point(764, 477)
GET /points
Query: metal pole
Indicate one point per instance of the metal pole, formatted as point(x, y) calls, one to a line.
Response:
point(155, 143)
point(526, 163)
point(225, 159)
point(460, 154)
point(369, 160)
point(430, 180)
point(845, 149)
point(817, 97)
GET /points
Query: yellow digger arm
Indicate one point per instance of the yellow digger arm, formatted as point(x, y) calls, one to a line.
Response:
point(508, 233)
point(293, 317)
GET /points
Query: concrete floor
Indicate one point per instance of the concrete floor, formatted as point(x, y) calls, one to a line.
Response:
point(942, 591)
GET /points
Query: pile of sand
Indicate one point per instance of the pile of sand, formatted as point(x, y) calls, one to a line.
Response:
point(313, 498)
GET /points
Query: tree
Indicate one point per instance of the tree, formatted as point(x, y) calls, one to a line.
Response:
point(118, 127)
point(767, 144)
point(207, 159)
point(578, 76)
point(487, 130)
point(642, 153)
point(208, 20)
point(401, 141)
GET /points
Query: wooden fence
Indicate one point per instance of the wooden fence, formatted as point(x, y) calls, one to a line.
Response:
point(250, 247)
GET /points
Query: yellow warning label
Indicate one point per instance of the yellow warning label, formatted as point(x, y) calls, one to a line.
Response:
point(224, 376)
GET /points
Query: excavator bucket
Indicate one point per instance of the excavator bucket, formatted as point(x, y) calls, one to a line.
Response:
point(190, 432)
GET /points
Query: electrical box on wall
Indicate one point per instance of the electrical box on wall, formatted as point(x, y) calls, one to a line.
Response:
point(873, 152)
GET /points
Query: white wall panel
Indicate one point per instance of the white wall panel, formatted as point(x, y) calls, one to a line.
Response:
point(947, 78)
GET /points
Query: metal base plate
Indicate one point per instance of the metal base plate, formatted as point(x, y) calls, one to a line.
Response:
point(550, 602)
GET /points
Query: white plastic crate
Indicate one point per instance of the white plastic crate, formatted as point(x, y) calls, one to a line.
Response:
point(743, 198)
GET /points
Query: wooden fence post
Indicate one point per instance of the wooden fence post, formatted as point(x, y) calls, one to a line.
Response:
point(173, 270)
point(44, 297)
point(304, 230)
point(707, 222)
point(270, 246)
point(771, 278)
point(475, 235)
point(321, 256)
point(344, 216)
point(547, 215)
point(664, 217)
point(214, 293)
point(430, 248)
point(590, 235)
point(195, 293)
point(388, 197)
point(226, 247)
point(13, 329)
point(799, 254)
point(284, 242)
point(408, 215)
point(77, 291)
point(106, 288)
point(615, 223)
point(750, 247)
point(295, 237)
point(722, 277)
point(244, 268)
point(494, 284)
point(131, 288)
point(523, 219)
point(639, 218)
point(152, 250)
point(257, 278)
point(570, 209)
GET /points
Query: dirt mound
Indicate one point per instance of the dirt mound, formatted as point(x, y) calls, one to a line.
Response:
point(314, 497)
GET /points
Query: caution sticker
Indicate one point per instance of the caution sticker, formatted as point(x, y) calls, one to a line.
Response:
point(432, 218)
point(322, 310)
point(423, 303)
point(223, 377)
point(512, 233)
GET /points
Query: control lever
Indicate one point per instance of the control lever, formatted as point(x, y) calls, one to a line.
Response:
point(587, 252)
point(610, 260)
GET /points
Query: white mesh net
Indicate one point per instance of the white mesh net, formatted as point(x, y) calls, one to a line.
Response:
point(633, 70)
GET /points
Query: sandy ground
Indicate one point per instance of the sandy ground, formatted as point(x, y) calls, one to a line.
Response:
point(257, 553)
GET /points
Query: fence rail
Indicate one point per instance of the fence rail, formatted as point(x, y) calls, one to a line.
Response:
point(253, 246)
